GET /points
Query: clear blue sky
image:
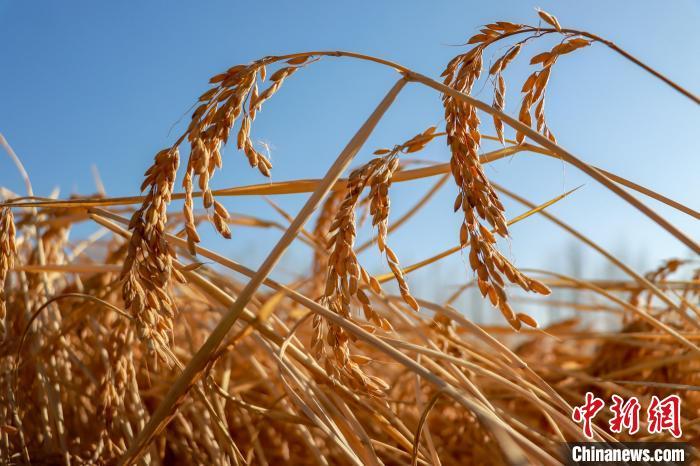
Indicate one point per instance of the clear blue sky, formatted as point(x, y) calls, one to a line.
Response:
point(106, 83)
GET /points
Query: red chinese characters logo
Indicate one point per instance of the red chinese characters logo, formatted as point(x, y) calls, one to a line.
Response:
point(587, 412)
point(625, 415)
point(662, 415)
point(665, 415)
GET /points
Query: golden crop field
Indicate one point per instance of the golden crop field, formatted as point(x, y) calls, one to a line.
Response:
point(143, 344)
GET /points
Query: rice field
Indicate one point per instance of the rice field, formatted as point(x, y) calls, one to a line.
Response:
point(138, 344)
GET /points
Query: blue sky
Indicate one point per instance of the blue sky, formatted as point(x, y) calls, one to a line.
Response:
point(110, 83)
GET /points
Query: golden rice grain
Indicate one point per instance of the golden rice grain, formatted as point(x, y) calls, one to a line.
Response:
point(8, 250)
